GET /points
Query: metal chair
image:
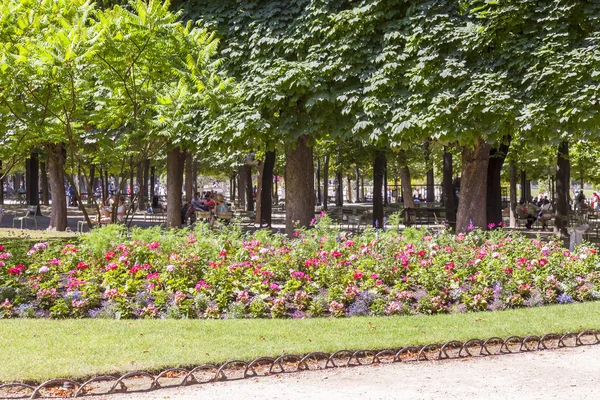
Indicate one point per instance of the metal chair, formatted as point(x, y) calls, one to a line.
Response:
point(29, 215)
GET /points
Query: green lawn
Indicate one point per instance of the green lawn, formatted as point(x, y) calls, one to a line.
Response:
point(35, 350)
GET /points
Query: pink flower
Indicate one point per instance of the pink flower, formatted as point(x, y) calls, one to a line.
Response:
point(201, 285)
point(153, 245)
point(274, 286)
point(16, 270)
point(111, 267)
point(170, 268)
point(82, 266)
point(153, 275)
point(358, 275)
point(43, 269)
point(109, 255)
point(5, 256)
point(336, 253)
point(374, 276)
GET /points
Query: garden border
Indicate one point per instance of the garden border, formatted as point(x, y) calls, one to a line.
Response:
point(287, 363)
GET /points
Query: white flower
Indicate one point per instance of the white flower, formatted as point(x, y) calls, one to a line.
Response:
point(170, 268)
point(44, 269)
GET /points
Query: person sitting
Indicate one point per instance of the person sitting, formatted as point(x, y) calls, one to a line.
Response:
point(545, 213)
point(528, 212)
point(120, 211)
point(196, 204)
point(210, 204)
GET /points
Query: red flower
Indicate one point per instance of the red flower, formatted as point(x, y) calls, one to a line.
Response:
point(421, 253)
point(109, 255)
point(358, 275)
point(336, 253)
point(449, 266)
point(508, 271)
point(82, 266)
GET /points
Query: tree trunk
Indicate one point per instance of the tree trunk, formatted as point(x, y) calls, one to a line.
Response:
point(430, 178)
point(144, 185)
point(339, 192)
point(494, 184)
point(362, 189)
point(189, 176)
point(299, 185)
point(91, 189)
point(472, 204)
point(325, 183)
point(33, 191)
point(563, 178)
point(174, 183)
point(378, 176)
point(266, 194)
point(448, 190)
point(257, 208)
point(249, 188)
point(513, 194)
point(152, 184)
point(349, 188)
point(319, 193)
point(56, 161)
point(357, 173)
point(405, 180)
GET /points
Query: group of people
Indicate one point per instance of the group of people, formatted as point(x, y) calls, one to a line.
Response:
point(106, 207)
point(211, 202)
point(539, 208)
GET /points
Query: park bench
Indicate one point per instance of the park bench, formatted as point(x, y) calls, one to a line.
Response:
point(28, 216)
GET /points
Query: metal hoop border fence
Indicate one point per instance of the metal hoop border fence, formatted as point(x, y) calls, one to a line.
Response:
point(288, 363)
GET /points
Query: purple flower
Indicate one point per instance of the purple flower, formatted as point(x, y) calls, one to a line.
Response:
point(564, 298)
point(471, 226)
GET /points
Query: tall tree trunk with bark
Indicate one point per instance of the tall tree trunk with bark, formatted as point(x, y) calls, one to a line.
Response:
point(472, 204)
point(175, 159)
point(513, 194)
point(152, 184)
point(259, 173)
point(249, 189)
point(189, 176)
point(349, 188)
point(430, 177)
point(325, 183)
point(378, 176)
point(339, 192)
point(563, 179)
point(405, 180)
point(266, 194)
point(56, 161)
point(494, 184)
point(91, 189)
point(299, 185)
point(144, 185)
point(357, 173)
point(448, 190)
point(33, 191)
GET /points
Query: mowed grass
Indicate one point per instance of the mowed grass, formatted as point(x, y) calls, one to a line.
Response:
point(36, 350)
point(33, 234)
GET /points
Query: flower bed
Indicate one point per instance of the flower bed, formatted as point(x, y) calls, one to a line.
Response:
point(319, 272)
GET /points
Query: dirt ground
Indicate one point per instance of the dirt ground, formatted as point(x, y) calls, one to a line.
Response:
point(572, 373)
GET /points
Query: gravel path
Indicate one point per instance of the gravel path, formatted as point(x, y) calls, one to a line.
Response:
point(572, 373)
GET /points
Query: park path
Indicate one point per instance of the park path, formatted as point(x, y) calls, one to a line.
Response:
point(572, 373)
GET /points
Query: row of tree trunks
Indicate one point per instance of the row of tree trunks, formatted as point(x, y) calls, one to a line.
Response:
point(299, 184)
point(472, 205)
